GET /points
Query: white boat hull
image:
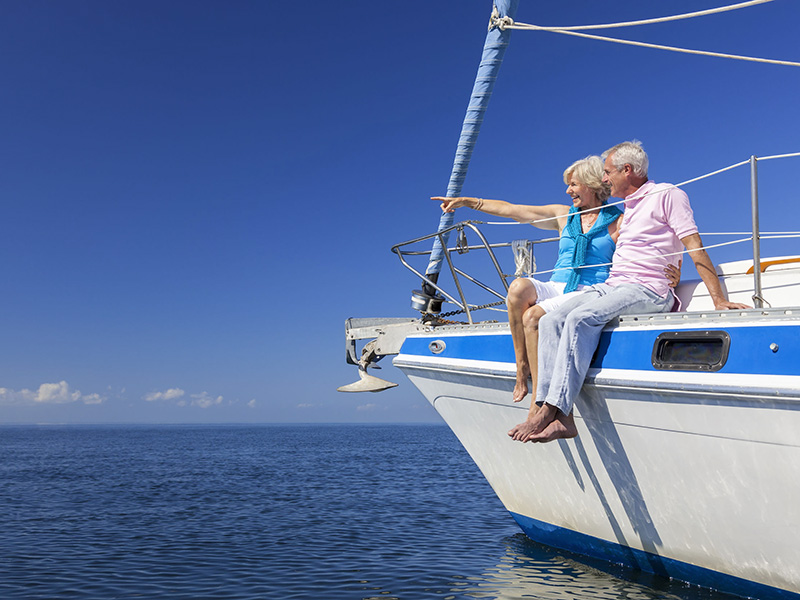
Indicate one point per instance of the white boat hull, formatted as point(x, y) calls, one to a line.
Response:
point(688, 474)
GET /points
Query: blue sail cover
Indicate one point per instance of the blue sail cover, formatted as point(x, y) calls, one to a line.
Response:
point(493, 51)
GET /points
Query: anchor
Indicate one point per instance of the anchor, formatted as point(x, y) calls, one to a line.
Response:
point(386, 336)
point(367, 382)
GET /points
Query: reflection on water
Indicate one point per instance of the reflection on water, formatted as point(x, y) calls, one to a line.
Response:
point(529, 570)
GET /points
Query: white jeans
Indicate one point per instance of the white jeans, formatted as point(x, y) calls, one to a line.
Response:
point(569, 335)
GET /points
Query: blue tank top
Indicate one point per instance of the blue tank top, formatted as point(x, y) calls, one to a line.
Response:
point(600, 251)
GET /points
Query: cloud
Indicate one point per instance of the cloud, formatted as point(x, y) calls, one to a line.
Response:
point(93, 399)
point(201, 400)
point(367, 407)
point(204, 400)
point(170, 394)
point(48, 393)
point(252, 403)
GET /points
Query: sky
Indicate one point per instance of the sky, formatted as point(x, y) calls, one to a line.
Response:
point(196, 194)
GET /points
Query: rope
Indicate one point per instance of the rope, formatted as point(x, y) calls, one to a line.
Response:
point(671, 186)
point(504, 23)
point(772, 234)
point(769, 235)
point(508, 23)
point(769, 61)
point(654, 256)
point(763, 235)
point(783, 236)
point(778, 156)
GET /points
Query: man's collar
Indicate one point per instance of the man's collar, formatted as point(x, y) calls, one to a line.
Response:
point(646, 187)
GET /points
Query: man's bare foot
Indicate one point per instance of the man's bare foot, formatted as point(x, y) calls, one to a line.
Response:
point(521, 388)
point(535, 424)
point(563, 427)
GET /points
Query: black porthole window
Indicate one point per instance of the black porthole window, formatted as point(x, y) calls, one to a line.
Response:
point(691, 350)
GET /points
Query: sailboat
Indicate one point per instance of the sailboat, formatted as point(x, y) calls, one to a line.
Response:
point(687, 462)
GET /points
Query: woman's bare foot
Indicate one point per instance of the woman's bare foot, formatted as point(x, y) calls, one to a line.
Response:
point(563, 427)
point(521, 387)
point(535, 424)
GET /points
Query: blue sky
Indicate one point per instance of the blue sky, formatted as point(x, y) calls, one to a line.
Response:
point(196, 195)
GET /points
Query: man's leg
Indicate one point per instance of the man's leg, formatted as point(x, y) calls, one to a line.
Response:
point(541, 415)
point(552, 342)
point(562, 427)
point(579, 338)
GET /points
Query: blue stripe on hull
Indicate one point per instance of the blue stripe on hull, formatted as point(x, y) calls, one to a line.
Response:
point(587, 545)
point(750, 351)
point(496, 347)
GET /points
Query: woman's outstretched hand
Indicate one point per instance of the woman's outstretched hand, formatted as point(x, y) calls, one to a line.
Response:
point(450, 204)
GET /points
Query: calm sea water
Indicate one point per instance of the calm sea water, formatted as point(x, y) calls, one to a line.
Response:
point(272, 512)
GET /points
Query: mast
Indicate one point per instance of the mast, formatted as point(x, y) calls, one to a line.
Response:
point(493, 51)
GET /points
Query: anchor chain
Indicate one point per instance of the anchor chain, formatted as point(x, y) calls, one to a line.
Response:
point(440, 317)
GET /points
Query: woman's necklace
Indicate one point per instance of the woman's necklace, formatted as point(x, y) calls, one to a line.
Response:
point(588, 219)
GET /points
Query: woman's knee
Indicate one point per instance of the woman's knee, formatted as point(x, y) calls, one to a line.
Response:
point(521, 292)
point(532, 316)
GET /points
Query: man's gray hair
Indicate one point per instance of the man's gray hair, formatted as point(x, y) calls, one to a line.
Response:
point(629, 153)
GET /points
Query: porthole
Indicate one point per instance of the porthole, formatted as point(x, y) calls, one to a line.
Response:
point(691, 350)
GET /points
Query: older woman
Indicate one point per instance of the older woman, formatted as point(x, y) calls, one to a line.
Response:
point(588, 232)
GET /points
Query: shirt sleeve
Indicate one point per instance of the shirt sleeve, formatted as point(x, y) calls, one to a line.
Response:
point(678, 213)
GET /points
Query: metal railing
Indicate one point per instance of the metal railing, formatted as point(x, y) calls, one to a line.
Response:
point(458, 274)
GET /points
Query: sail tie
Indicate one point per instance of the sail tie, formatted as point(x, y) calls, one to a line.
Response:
point(498, 22)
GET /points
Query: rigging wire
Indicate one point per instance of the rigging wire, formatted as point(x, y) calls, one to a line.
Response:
point(763, 235)
point(786, 235)
point(671, 186)
point(504, 23)
point(771, 235)
point(675, 185)
point(769, 61)
point(653, 256)
point(793, 154)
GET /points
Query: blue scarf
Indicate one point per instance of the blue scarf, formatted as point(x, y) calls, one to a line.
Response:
point(608, 214)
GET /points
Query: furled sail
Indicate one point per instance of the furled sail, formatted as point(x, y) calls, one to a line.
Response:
point(493, 50)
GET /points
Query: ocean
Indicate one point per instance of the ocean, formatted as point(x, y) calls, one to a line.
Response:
point(273, 512)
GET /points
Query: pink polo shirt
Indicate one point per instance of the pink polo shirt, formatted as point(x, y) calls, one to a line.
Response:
point(656, 218)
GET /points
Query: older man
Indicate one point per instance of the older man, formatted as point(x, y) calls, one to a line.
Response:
point(658, 223)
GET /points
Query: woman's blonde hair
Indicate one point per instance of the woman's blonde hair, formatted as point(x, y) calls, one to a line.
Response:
point(589, 172)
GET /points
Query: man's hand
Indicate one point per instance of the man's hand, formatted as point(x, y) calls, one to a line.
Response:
point(673, 273)
point(722, 304)
point(707, 272)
